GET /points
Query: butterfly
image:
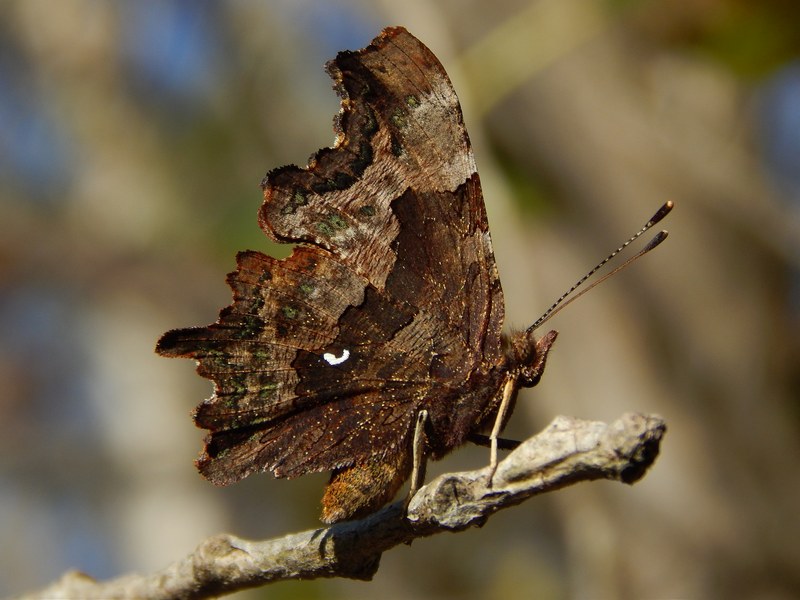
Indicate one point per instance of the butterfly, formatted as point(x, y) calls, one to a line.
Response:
point(385, 321)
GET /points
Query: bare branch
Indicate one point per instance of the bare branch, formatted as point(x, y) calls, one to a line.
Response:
point(566, 452)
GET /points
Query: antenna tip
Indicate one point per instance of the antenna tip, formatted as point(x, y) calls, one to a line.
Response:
point(661, 212)
point(657, 239)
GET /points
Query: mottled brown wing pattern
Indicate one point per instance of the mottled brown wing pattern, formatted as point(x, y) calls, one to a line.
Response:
point(264, 346)
point(402, 148)
point(335, 434)
point(390, 305)
point(279, 306)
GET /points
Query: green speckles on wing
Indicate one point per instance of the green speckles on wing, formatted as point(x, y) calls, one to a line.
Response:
point(267, 390)
point(251, 326)
point(337, 221)
point(257, 304)
point(289, 312)
point(398, 119)
point(232, 389)
point(261, 354)
point(333, 223)
point(325, 229)
point(298, 199)
point(216, 359)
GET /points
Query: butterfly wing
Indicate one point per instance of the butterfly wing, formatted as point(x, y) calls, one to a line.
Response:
point(390, 305)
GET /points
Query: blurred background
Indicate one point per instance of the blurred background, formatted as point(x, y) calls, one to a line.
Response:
point(133, 136)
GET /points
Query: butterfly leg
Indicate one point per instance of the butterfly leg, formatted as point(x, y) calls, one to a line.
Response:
point(505, 403)
point(418, 455)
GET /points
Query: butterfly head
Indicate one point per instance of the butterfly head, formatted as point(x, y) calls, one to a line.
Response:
point(529, 356)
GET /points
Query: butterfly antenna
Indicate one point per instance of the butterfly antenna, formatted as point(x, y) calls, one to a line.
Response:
point(566, 298)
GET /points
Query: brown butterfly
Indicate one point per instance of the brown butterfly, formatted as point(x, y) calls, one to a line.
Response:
point(389, 308)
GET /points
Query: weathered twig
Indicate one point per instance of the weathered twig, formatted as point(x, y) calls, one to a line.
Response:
point(566, 452)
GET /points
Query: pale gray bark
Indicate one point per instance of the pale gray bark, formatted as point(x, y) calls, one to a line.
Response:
point(568, 451)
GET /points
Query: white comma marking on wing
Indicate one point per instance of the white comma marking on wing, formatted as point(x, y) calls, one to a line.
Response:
point(332, 359)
